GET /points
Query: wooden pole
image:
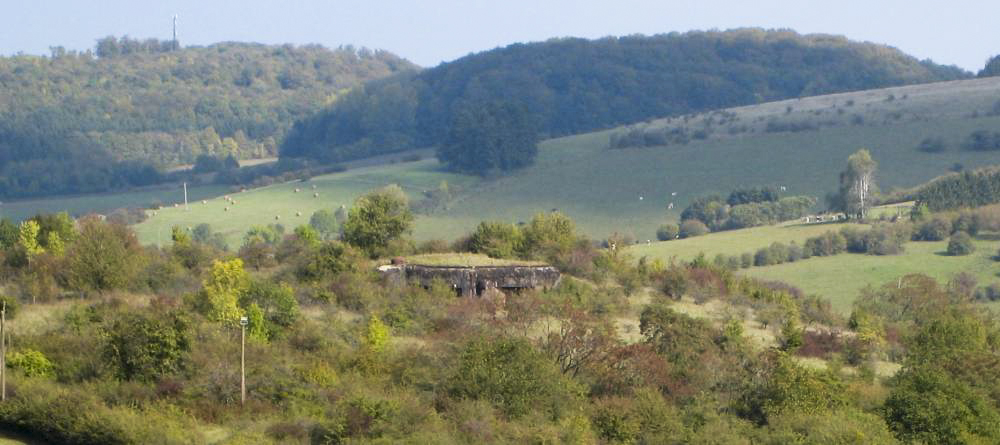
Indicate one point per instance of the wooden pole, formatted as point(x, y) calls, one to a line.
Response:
point(243, 374)
point(3, 352)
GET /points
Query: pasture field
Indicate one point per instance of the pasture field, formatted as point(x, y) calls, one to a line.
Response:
point(106, 202)
point(840, 278)
point(280, 203)
point(732, 242)
point(629, 190)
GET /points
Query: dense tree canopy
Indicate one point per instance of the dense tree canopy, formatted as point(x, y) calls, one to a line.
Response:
point(80, 122)
point(487, 138)
point(575, 85)
point(377, 219)
point(992, 67)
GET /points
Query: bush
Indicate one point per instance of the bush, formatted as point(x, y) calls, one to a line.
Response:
point(988, 293)
point(746, 260)
point(829, 243)
point(932, 145)
point(145, 347)
point(960, 244)
point(31, 363)
point(509, 372)
point(667, 232)
point(935, 229)
point(692, 227)
point(497, 239)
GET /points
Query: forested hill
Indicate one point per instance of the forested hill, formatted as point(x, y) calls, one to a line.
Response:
point(575, 85)
point(77, 115)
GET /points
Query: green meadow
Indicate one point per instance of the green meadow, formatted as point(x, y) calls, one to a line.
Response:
point(841, 278)
point(629, 190)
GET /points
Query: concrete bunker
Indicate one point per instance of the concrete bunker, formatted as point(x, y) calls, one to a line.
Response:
point(470, 281)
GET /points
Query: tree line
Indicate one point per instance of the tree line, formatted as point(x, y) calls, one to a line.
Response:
point(966, 189)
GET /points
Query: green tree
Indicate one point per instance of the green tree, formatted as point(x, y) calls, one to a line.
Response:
point(332, 258)
point(326, 223)
point(105, 257)
point(927, 405)
point(145, 347)
point(508, 372)
point(378, 218)
point(27, 237)
point(307, 236)
point(992, 67)
point(857, 184)
point(960, 244)
point(492, 137)
point(497, 239)
point(548, 235)
point(275, 305)
point(667, 232)
point(221, 291)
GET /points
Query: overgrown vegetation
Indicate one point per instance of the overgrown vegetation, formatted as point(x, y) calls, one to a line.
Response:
point(352, 358)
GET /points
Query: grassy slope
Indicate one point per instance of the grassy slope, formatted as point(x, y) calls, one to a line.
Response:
point(600, 188)
point(261, 206)
point(465, 260)
point(732, 242)
point(840, 278)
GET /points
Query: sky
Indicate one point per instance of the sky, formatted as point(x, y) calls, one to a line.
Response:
point(428, 32)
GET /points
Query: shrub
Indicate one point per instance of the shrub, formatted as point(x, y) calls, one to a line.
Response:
point(967, 222)
point(145, 347)
point(746, 260)
point(31, 363)
point(509, 372)
point(930, 406)
point(829, 243)
point(794, 253)
point(960, 244)
point(667, 232)
point(692, 227)
point(932, 145)
point(935, 229)
point(763, 257)
point(497, 239)
point(988, 293)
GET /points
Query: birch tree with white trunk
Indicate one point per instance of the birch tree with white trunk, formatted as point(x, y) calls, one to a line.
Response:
point(857, 184)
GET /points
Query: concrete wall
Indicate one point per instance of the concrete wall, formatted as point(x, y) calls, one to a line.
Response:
point(472, 281)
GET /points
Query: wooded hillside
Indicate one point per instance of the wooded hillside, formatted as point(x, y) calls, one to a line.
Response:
point(67, 120)
point(576, 85)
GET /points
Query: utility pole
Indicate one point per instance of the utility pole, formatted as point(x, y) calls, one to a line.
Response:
point(3, 352)
point(243, 355)
point(186, 209)
point(176, 46)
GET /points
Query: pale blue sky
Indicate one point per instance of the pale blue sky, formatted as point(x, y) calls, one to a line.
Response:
point(959, 32)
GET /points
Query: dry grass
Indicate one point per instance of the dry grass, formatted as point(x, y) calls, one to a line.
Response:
point(465, 260)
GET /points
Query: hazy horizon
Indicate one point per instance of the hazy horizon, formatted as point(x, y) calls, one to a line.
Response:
point(442, 30)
